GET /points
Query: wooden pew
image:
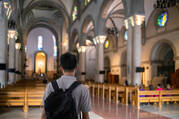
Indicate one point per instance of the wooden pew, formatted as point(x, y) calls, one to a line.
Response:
point(111, 91)
point(156, 96)
point(11, 98)
point(24, 93)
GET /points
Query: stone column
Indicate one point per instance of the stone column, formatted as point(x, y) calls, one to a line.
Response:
point(83, 63)
point(134, 49)
point(11, 56)
point(20, 65)
point(137, 48)
point(3, 46)
point(100, 58)
point(17, 57)
point(129, 50)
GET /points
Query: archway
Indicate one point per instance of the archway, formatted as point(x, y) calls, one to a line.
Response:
point(40, 63)
point(41, 39)
point(163, 64)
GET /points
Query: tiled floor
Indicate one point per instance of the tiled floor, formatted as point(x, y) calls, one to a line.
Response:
point(168, 110)
point(101, 109)
point(120, 111)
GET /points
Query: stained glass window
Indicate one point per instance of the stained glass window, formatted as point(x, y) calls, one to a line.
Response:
point(162, 19)
point(106, 44)
point(40, 43)
point(55, 46)
point(126, 35)
point(75, 12)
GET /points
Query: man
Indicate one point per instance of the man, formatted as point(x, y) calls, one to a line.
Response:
point(80, 94)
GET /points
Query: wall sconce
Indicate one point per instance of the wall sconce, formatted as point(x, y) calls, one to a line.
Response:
point(18, 44)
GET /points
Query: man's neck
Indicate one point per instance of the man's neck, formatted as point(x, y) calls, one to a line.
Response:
point(68, 73)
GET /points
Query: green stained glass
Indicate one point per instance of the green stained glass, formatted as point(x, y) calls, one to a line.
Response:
point(162, 19)
point(75, 13)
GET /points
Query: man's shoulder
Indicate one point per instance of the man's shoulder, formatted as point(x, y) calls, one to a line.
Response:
point(82, 88)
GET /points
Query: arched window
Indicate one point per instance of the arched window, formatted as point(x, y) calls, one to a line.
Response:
point(162, 19)
point(55, 46)
point(106, 44)
point(75, 13)
point(86, 2)
point(126, 35)
point(40, 42)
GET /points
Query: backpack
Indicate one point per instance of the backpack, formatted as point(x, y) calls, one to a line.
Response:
point(60, 104)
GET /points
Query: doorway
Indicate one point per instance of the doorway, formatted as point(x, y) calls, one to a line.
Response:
point(40, 62)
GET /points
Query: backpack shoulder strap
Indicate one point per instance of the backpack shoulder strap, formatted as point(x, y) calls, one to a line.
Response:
point(55, 85)
point(73, 86)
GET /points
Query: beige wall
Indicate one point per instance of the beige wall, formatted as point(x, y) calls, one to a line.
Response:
point(154, 36)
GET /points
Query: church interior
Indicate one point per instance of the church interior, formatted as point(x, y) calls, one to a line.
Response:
point(127, 52)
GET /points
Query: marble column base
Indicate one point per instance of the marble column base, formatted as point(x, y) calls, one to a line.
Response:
point(11, 78)
point(2, 79)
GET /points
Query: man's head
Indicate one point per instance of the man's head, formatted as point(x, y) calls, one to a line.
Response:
point(68, 62)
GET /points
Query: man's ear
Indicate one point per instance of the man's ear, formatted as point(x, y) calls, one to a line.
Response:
point(76, 68)
point(61, 69)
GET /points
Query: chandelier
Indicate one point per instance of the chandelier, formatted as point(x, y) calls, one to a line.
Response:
point(166, 3)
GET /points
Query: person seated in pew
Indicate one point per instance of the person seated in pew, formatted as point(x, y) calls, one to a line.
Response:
point(151, 88)
point(168, 88)
point(141, 89)
point(159, 88)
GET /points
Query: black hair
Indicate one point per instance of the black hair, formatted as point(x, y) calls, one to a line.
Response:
point(68, 62)
point(151, 87)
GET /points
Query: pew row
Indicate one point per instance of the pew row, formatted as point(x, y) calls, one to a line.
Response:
point(155, 97)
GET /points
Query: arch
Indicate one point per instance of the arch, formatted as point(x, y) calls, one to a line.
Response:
point(43, 59)
point(152, 29)
point(74, 39)
point(162, 61)
point(86, 22)
point(106, 6)
point(74, 34)
point(40, 22)
point(157, 44)
point(59, 7)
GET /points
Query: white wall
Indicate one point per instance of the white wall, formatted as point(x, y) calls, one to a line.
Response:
point(32, 47)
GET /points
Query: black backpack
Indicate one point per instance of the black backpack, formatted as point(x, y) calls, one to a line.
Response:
point(60, 104)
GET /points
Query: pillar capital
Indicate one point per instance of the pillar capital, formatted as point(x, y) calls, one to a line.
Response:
point(134, 20)
point(82, 49)
point(99, 39)
point(12, 34)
